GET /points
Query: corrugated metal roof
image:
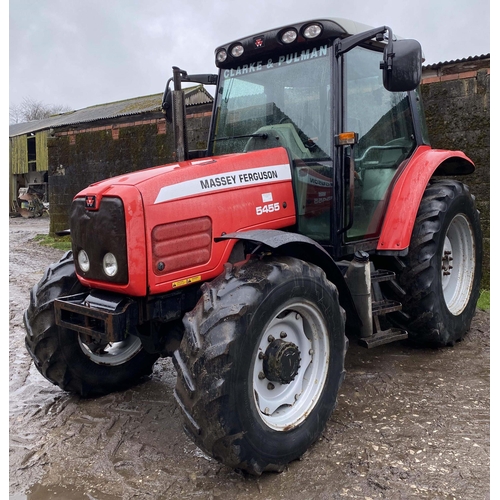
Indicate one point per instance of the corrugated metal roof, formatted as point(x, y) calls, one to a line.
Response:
point(456, 61)
point(194, 96)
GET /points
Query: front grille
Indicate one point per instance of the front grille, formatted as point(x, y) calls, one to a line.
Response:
point(181, 245)
point(99, 232)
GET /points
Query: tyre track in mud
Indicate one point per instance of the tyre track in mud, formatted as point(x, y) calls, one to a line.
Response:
point(410, 423)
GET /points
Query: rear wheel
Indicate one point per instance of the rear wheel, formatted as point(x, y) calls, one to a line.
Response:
point(261, 363)
point(75, 362)
point(441, 275)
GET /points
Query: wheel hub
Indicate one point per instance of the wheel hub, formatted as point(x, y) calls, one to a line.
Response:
point(446, 263)
point(281, 361)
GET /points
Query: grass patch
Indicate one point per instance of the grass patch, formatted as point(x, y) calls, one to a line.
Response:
point(484, 300)
point(59, 242)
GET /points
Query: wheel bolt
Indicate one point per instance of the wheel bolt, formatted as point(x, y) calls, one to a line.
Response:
point(270, 386)
point(262, 376)
point(283, 335)
point(270, 338)
point(311, 351)
point(261, 355)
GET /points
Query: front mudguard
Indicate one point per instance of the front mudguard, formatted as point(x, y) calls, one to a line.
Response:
point(304, 248)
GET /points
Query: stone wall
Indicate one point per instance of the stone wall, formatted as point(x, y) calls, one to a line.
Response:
point(457, 105)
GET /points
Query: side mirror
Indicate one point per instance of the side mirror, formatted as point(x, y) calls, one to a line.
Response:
point(402, 65)
point(166, 104)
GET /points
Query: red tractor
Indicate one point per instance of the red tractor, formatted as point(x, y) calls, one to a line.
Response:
point(319, 209)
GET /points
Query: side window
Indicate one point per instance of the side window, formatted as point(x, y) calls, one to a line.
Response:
point(384, 126)
point(314, 191)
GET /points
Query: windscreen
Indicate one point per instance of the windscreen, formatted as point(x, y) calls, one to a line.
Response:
point(283, 101)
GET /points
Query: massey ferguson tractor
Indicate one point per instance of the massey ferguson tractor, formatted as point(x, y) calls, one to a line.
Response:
point(318, 212)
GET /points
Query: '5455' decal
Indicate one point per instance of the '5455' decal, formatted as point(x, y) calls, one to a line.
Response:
point(267, 209)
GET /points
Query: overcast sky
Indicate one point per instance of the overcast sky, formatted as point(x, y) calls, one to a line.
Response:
point(79, 53)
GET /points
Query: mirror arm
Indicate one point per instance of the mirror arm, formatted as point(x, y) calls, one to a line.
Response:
point(204, 79)
point(346, 44)
point(387, 63)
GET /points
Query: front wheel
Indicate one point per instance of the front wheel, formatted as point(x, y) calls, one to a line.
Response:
point(75, 362)
point(261, 363)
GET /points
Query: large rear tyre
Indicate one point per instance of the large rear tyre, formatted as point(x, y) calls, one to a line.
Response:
point(70, 360)
point(441, 275)
point(261, 363)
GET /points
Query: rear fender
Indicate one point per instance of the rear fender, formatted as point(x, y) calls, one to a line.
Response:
point(409, 189)
point(304, 248)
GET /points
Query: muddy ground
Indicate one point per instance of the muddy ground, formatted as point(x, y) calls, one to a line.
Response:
point(410, 423)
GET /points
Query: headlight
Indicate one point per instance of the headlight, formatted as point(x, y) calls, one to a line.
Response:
point(83, 261)
point(110, 264)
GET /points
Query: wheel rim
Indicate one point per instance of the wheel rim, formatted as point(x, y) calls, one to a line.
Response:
point(112, 353)
point(458, 264)
point(297, 332)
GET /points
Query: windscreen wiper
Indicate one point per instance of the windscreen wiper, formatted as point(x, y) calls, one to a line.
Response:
point(261, 136)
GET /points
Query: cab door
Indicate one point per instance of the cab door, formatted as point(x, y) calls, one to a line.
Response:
point(385, 140)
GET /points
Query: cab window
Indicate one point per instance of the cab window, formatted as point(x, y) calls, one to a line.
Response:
point(383, 122)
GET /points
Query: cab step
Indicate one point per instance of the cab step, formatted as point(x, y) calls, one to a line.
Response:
point(380, 307)
point(383, 337)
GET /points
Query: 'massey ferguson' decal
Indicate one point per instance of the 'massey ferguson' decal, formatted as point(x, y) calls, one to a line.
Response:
point(229, 180)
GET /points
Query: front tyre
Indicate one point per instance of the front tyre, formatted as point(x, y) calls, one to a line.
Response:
point(441, 275)
point(261, 363)
point(74, 362)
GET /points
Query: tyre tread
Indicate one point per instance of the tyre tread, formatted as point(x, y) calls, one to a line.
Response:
point(201, 396)
point(419, 275)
